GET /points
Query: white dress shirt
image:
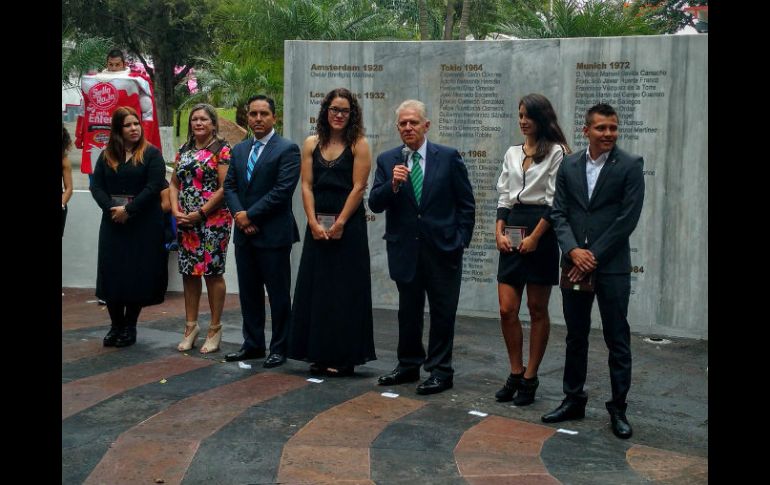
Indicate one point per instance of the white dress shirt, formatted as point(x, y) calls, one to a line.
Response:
point(535, 186)
point(593, 169)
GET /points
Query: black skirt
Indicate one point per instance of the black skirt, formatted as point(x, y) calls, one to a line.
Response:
point(540, 267)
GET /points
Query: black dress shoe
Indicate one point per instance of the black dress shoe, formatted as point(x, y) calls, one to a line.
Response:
point(244, 354)
point(568, 409)
point(111, 337)
point(434, 384)
point(620, 426)
point(509, 388)
point(126, 337)
point(399, 376)
point(274, 360)
point(526, 393)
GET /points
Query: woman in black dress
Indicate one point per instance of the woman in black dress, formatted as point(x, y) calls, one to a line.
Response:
point(131, 269)
point(332, 309)
point(526, 187)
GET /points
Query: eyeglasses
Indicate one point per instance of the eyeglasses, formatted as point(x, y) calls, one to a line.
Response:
point(339, 111)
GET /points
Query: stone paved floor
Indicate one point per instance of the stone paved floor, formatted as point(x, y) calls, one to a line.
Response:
point(148, 413)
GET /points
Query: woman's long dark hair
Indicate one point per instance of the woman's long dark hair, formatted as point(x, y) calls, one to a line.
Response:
point(539, 109)
point(115, 151)
point(355, 127)
point(66, 141)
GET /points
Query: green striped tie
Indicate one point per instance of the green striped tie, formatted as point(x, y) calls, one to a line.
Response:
point(416, 176)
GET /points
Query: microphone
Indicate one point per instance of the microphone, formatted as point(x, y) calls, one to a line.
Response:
point(405, 154)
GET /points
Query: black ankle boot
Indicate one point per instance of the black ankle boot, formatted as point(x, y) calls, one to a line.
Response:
point(526, 392)
point(112, 336)
point(509, 388)
point(126, 337)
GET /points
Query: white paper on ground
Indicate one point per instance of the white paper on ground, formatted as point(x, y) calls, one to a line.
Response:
point(389, 394)
point(566, 431)
point(243, 365)
point(313, 379)
point(478, 413)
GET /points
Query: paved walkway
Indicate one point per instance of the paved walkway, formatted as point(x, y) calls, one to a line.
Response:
point(147, 413)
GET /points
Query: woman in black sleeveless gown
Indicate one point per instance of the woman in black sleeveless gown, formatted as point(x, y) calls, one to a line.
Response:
point(332, 309)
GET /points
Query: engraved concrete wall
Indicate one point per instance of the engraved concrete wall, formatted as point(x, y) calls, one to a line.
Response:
point(658, 84)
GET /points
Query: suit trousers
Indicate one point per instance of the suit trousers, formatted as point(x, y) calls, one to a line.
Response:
point(612, 293)
point(438, 275)
point(260, 268)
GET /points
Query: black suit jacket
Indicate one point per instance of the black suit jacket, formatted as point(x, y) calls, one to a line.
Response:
point(266, 198)
point(444, 218)
point(603, 224)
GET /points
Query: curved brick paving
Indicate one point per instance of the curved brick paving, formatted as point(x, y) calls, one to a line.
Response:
point(74, 351)
point(84, 393)
point(334, 446)
point(666, 466)
point(502, 451)
point(221, 424)
point(164, 445)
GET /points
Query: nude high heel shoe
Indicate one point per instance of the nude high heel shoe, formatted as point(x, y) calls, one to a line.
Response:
point(191, 331)
point(212, 339)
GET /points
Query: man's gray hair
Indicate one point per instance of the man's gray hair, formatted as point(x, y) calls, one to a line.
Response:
point(414, 104)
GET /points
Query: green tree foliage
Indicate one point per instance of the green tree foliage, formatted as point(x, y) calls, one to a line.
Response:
point(171, 32)
point(81, 54)
point(668, 16)
point(226, 84)
point(571, 18)
point(250, 36)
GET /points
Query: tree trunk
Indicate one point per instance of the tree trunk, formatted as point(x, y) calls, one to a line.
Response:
point(240, 116)
point(449, 19)
point(424, 34)
point(164, 90)
point(178, 122)
point(464, 18)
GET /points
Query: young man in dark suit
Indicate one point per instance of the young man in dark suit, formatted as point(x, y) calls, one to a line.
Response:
point(598, 200)
point(264, 170)
point(430, 214)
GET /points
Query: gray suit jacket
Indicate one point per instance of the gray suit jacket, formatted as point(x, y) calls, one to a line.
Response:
point(604, 223)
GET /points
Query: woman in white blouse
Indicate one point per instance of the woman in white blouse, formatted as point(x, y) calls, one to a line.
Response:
point(529, 252)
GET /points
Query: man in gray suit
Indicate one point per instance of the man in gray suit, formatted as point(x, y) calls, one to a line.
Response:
point(264, 170)
point(598, 200)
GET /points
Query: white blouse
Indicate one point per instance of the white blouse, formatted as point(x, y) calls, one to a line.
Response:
point(536, 186)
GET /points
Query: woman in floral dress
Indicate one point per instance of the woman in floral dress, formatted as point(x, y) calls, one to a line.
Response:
point(203, 222)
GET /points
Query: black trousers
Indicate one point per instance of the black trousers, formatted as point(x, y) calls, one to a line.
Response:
point(438, 275)
point(124, 314)
point(612, 293)
point(260, 269)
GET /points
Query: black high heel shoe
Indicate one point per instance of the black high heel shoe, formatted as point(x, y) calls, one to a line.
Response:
point(509, 388)
point(526, 393)
point(339, 371)
point(317, 369)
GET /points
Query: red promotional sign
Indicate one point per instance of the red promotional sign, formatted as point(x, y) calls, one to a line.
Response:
point(103, 93)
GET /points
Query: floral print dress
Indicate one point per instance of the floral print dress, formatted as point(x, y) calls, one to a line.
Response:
point(203, 248)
